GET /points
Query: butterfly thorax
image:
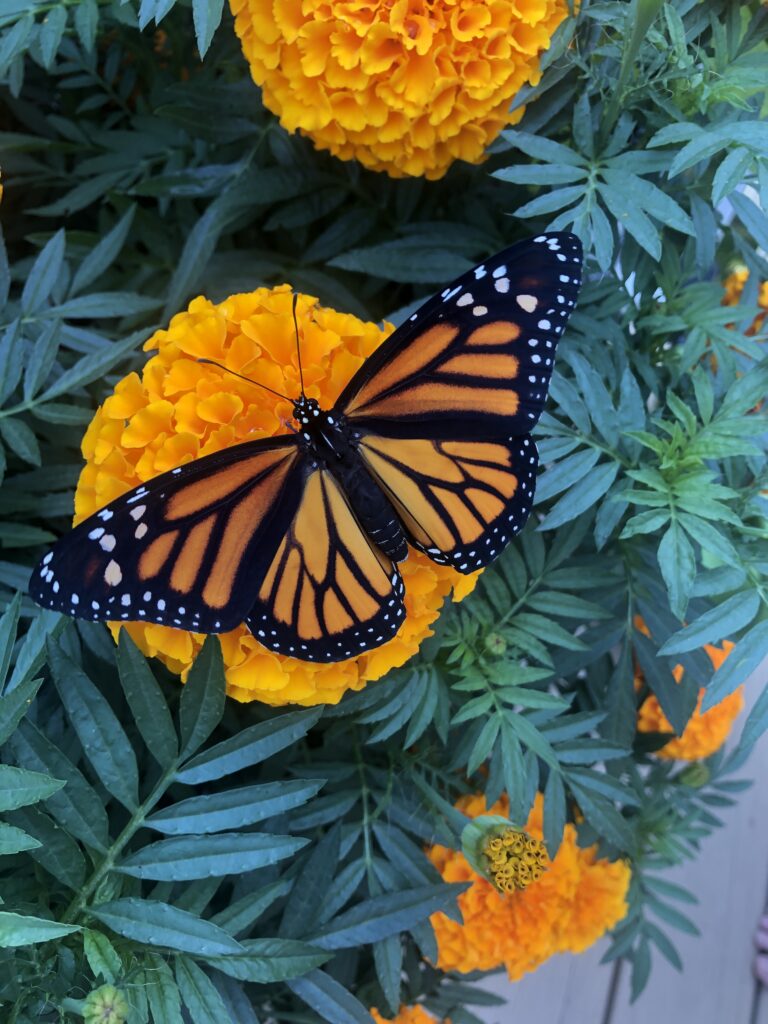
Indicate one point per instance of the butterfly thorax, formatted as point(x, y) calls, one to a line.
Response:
point(330, 443)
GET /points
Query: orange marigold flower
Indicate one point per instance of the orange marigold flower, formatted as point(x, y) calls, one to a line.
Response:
point(706, 731)
point(734, 287)
point(403, 86)
point(575, 901)
point(408, 1015)
point(181, 409)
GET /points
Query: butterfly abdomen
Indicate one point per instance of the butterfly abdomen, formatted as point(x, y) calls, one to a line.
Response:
point(373, 509)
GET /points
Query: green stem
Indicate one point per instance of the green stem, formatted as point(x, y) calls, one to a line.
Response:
point(79, 903)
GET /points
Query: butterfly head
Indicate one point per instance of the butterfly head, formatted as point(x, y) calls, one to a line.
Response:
point(306, 410)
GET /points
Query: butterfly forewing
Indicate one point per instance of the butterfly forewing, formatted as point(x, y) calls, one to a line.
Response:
point(182, 549)
point(329, 593)
point(458, 501)
point(476, 360)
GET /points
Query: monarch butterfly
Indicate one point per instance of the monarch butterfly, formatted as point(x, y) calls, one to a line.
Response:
point(299, 535)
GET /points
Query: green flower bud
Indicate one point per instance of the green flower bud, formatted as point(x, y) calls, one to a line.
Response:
point(506, 855)
point(105, 1005)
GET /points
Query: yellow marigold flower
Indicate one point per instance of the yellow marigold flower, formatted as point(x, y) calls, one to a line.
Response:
point(403, 86)
point(706, 731)
point(734, 287)
point(180, 409)
point(408, 1015)
point(575, 901)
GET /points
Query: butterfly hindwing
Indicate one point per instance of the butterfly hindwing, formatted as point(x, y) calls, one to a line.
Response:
point(328, 593)
point(182, 549)
point(475, 360)
point(458, 501)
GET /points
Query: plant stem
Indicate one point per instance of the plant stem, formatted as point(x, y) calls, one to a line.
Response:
point(79, 903)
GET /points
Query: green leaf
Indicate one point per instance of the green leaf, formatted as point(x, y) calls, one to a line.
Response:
point(14, 705)
point(58, 853)
point(270, 960)
point(102, 957)
point(724, 619)
point(581, 496)
point(754, 727)
point(15, 840)
point(187, 857)
point(42, 359)
point(393, 912)
point(154, 923)
point(44, 274)
point(145, 698)
point(565, 473)
point(709, 537)
point(76, 806)
point(249, 747)
point(329, 999)
point(207, 17)
point(92, 367)
point(752, 217)
point(532, 174)
point(103, 738)
point(86, 22)
point(544, 149)
point(232, 808)
point(51, 31)
point(198, 993)
point(162, 992)
point(22, 930)
point(203, 696)
point(678, 567)
point(19, 787)
point(239, 916)
point(604, 817)
point(388, 960)
point(747, 656)
point(730, 173)
point(21, 440)
point(629, 216)
point(310, 887)
point(109, 305)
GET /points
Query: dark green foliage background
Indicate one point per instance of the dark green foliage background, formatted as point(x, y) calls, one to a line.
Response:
point(254, 865)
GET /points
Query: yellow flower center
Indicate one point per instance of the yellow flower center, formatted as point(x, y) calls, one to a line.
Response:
point(515, 859)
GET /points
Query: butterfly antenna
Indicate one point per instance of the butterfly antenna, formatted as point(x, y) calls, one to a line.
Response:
point(212, 362)
point(298, 346)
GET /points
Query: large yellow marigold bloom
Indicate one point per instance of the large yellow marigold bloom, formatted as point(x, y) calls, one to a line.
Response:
point(403, 86)
point(408, 1015)
point(180, 409)
point(575, 901)
point(734, 287)
point(706, 731)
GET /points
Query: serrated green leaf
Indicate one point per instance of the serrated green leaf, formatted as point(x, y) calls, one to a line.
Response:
point(723, 620)
point(188, 857)
point(310, 886)
point(102, 957)
point(145, 698)
point(21, 440)
point(162, 992)
point(203, 696)
point(199, 995)
point(44, 273)
point(581, 496)
point(15, 840)
point(154, 923)
point(376, 918)
point(232, 808)
point(20, 787)
point(270, 960)
point(329, 999)
point(249, 747)
point(678, 567)
point(23, 930)
point(748, 654)
point(103, 738)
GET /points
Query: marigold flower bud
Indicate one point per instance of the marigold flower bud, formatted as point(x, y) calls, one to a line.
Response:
point(105, 1005)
